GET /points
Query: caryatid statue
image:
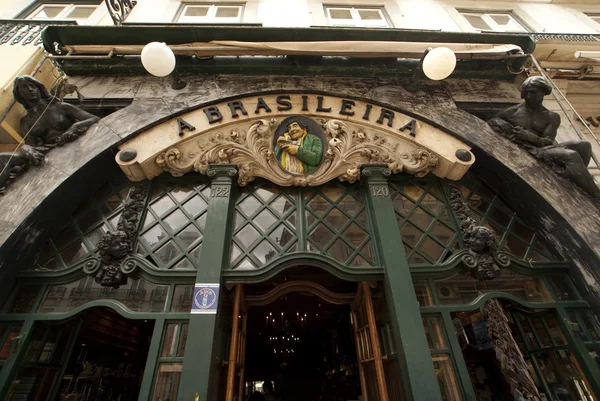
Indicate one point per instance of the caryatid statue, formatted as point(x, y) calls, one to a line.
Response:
point(49, 122)
point(534, 127)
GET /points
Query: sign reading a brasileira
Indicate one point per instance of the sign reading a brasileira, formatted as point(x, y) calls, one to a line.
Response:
point(294, 139)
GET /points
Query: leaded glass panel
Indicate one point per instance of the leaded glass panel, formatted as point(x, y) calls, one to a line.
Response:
point(79, 236)
point(337, 225)
point(463, 288)
point(264, 225)
point(173, 228)
point(514, 234)
point(333, 218)
point(136, 295)
point(422, 214)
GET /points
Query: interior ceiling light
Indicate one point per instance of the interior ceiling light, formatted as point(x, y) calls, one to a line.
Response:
point(439, 63)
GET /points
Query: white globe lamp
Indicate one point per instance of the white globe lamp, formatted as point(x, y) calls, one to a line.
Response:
point(439, 63)
point(158, 59)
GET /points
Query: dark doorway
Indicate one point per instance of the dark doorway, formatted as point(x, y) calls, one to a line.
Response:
point(108, 358)
point(305, 346)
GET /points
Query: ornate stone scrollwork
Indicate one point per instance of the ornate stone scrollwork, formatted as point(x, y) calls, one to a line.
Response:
point(344, 152)
point(114, 247)
point(483, 258)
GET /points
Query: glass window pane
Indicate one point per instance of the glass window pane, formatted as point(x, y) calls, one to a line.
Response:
point(167, 382)
point(370, 15)
point(169, 339)
point(339, 13)
point(13, 331)
point(49, 12)
point(135, 295)
point(182, 298)
point(227, 12)
point(562, 375)
point(182, 339)
point(81, 13)
point(462, 288)
point(24, 299)
point(196, 11)
point(423, 293)
point(477, 22)
point(563, 290)
point(434, 332)
point(446, 377)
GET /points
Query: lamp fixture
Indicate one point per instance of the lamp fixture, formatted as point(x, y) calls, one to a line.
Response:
point(439, 63)
point(159, 60)
point(436, 64)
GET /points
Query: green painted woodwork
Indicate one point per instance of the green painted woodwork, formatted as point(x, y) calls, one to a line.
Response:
point(174, 224)
point(578, 347)
point(10, 366)
point(295, 65)
point(199, 364)
point(78, 237)
point(416, 363)
point(425, 220)
point(415, 212)
point(514, 234)
point(457, 357)
point(151, 363)
point(271, 222)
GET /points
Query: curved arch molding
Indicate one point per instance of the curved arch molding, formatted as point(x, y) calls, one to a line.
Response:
point(243, 132)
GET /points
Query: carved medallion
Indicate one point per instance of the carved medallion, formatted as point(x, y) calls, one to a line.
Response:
point(335, 152)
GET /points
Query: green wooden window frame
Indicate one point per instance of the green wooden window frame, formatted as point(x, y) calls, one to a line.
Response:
point(170, 354)
point(330, 220)
point(173, 227)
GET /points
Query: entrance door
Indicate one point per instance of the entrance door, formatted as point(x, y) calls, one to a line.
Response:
point(237, 348)
point(370, 362)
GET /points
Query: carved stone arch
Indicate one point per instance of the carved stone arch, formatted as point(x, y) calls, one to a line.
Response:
point(47, 195)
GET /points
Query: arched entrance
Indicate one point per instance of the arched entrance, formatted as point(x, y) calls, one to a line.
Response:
point(312, 342)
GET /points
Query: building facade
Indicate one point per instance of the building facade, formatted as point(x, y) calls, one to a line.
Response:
point(297, 203)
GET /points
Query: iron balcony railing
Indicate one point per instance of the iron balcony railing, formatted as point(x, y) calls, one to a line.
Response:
point(25, 32)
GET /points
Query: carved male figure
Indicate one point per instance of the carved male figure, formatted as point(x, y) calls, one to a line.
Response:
point(534, 127)
point(298, 151)
point(49, 122)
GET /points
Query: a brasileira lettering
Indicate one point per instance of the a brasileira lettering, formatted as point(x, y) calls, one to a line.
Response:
point(320, 104)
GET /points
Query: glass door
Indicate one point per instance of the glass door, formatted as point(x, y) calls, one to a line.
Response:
point(368, 350)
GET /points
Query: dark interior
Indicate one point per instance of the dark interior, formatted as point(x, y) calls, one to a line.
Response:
point(303, 345)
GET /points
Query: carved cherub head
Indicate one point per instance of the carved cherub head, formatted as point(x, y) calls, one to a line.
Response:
point(482, 239)
point(114, 246)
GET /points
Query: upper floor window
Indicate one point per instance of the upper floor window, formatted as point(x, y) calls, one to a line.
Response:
point(56, 11)
point(370, 17)
point(595, 18)
point(199, 13)
point(497, 21)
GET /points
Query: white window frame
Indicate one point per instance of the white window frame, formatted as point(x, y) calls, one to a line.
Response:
point(595, 17)
point(356, 21)
point(68, 8)
point(211, 16)
point(494, 27)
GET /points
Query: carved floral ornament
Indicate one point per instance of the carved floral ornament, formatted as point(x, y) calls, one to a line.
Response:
point(294, 148)
point(347, 150)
